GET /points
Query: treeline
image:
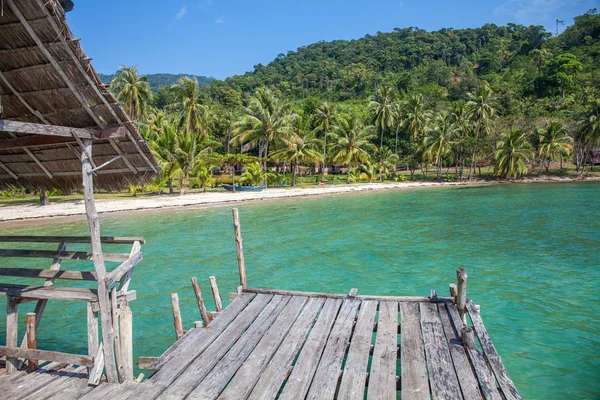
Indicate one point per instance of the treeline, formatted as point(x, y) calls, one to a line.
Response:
point(157, 81)
point(512, 97)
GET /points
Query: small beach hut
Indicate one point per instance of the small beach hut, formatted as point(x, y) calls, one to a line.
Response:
point(61, 128)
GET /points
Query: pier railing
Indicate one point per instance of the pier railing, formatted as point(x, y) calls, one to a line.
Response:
point(116, 282)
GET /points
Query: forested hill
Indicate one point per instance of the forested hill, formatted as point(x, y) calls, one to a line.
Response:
point(518, 61)
point(156, 81)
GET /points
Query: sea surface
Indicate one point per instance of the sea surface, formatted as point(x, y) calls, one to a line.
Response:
point(531, 252)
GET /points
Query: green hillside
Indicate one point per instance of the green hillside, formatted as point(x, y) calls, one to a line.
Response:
point(156, 81)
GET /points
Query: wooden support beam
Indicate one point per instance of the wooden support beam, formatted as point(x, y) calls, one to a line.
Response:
point(27, 49)
point(461, 297)
point(200, 300)
point(12, 322)
point(14, 91)
point(126, 278)
point(92, 325)
point(18, 352)
point(108, 335)
point(353, 292)
point(216, 295)
point(239, 248)
point(114, 309)
point(72, 239)
point(126, 338)
point(95, 375)
point(31, 334)
point(115, 158)
point(61, 131)
point(74, 173)
point(49, 274)
point(12, 174)
point(176, 316)
point(32, 141)
point(122, 269)
point(453, 291)
point(71, 255)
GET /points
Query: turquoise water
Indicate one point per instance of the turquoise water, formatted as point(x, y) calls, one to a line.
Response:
point(531, 252)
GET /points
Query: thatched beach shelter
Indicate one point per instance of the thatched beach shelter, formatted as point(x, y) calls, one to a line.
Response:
point(60, 127)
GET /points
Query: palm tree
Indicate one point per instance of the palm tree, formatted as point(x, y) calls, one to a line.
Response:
point(481, 110)
point(416, 115)
point(324, 117)
point(461, 135)
point(188, 102)
point(554, 140)
point(369, 172)
point(438, 141)
point(386, 161)
point(132, 90)
point(189, 146)
point(513, 153)
point(253, 175)
point(352, 144)
point(588, 132)
point(267, 119)
point(165, 149)
point(383, 108)
point(299, 146)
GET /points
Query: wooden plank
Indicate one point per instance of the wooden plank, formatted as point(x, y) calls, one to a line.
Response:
point(147, 363)
point(92, 325)
point(201, 366)
point(418, 299)
point(442, 376)
point(73, 388)
point(216, 380)
point(71, 255)
point(62, 131)
point(247, 376)
point(95, 374)
point(239, 248)
point(302, 375)
point(355, 371)
point(10, 172)
point(36, 382)
point(485, 377)
point(31, 335)
point(101, 392)
point(12, 323)
point(126, 278)
point(49, 274)
point(414, 369)
point(46, 355)
point(123, 269)
point(280, 365)
point(382, 378)
point(466, 377)
point(48, 292)
point(506, 384)
point(64, 381)
point(71, 239)
point(126, 345)
point(328, 372)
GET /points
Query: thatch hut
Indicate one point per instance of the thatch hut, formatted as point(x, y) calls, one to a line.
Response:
point(60, 127)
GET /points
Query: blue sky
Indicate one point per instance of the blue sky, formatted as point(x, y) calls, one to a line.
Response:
point(221, 38)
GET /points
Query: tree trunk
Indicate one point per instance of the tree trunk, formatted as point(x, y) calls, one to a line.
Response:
point(324, 157)
point(396, 145)
point(44, 201)
point(170, 180)
point(348, 177)
point(294, 172)
point(228, 138)
point(265, 162)
point(181, 186)
point(472, 165)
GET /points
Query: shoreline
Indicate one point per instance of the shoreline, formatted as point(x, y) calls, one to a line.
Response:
point(21, 215)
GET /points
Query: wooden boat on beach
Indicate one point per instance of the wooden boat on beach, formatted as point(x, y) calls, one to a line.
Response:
point(231, 188)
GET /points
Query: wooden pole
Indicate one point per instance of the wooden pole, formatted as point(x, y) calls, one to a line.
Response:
point(176, 316)
point(31, 340)
point(108, 335)
point(453, 291)
point(216, 295)
point(239, 248)
point(126, 337)
point(201, 305)
point(115, 321)
point(12, 321)
point(461, 298)
point(467, 336)
point(92, 322)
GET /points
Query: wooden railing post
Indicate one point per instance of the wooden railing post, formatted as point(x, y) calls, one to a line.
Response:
point(239, 248)
point(176, 316)
point(12, 321)
point(461, 298)
point(201, 305)
point(31, 340)
point(126, 337)
point(216, 294)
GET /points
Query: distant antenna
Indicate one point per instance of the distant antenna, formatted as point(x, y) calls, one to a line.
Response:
point(558, 21)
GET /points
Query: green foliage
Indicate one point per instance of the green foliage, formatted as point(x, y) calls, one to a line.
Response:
point(253, 175)
point(157, 81)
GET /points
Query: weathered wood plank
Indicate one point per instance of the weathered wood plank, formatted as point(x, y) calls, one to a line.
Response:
point(31, 334)
point(216, 380)
point(48, 292)
point(12, 323)
point(302, 375)
point(92, 331)
point(355, 371)
point(485, 377)
point(414, 369)
point(32, 141)
point(201, 366)
point(49, 274)
point(71, 239)
point(247, 376)
point(442, 376)
point(418, 299)
point(278, 368)
point(382, 378)
point(466, 377)
point(123, 269)
point(47, 355)
point(329, 370)
point(147, 363)
point(126, 345)
point(506, 384)
point(71, 255)
point(64, 131)
point(69, 376)
point(101, 392)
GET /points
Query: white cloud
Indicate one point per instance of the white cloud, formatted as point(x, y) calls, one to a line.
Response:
point(181, 13)
point(525, 10)
point(206, 3)
point(220, 20)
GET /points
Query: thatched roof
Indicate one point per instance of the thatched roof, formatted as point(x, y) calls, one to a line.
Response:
point(46, 78)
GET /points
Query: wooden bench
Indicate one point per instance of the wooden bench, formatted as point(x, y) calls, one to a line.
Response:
point(18, 293)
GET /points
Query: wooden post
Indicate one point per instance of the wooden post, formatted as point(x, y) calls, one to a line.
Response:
point(238, 246)
point(114, 309)
point(201, 305)
point(453, 291)
point(216, 295)
point(31, 340)
point(461, 298)
point(12, 321)
point(467, 336)
point(126, 337)
point(92, 322)
point(108, 334)
point(176, 316)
